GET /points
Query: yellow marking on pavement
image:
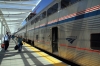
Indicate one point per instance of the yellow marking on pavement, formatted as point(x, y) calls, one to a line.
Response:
point(49, 58)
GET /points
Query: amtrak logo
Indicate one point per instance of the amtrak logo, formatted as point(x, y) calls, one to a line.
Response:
point(71, 39)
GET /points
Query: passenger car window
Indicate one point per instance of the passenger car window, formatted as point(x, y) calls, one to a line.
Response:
point(65, 3)
point(52, 9)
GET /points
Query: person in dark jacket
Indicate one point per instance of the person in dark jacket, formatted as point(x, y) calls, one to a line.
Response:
point(20, 43)
point(6, 40)
point(13, 37)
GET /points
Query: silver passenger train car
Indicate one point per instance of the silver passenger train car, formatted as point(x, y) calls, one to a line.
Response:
point(69, 29)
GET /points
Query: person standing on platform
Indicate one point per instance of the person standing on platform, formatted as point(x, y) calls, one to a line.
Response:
point(20, 43)
point(13, 37)
point(6, 40)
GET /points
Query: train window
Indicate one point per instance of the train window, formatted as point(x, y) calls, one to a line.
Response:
point(36, 19)
point(65, 3)
point(32, 22)
point(43, 14)
point(73, 1)
point(52, 9)
point(36, 37)
point(95, 41)
point(30, 16)
point(41, 17)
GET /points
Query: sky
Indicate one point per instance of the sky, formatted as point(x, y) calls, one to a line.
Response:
point(40, 6)
point(43, 4)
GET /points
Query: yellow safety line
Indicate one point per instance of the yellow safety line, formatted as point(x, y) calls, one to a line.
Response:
point(49, 58)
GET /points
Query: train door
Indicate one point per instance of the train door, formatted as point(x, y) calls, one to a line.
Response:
point(25, 36)
point(55, 39)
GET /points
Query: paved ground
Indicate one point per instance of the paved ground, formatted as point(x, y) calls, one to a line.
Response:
point(27, 57)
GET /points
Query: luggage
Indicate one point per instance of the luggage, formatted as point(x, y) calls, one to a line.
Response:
point(16, 47)
point(3, 45)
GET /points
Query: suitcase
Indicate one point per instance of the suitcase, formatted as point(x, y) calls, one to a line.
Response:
point(16, 47)
point(2, 45)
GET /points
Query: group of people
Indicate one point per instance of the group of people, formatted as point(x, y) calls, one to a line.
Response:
point(7, 38)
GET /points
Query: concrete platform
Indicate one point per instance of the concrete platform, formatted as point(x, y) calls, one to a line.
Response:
point(29, 56)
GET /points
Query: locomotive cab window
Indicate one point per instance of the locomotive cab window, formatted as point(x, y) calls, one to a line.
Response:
point(95, 41)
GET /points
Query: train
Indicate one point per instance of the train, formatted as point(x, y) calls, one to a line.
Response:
point(69, 29)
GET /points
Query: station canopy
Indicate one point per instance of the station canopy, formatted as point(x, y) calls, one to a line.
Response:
point(14, 12)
